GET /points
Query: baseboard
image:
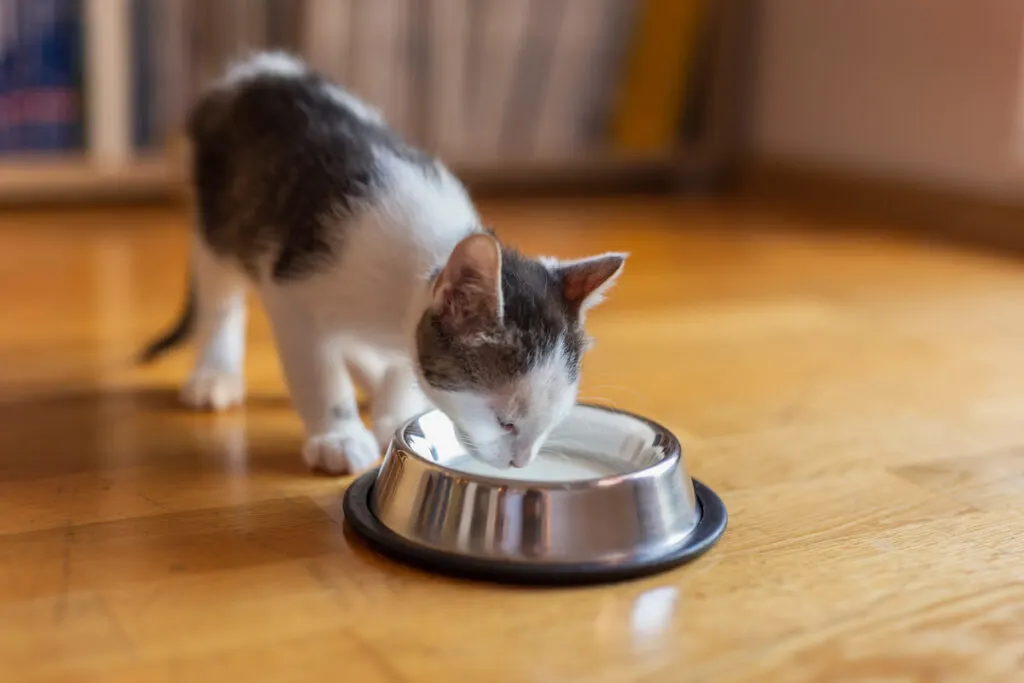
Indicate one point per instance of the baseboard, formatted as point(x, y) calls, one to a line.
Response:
point(894, 205)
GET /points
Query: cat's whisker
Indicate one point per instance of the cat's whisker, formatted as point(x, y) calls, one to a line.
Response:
point(600, 401)
point(606, 402)
point(620, 388)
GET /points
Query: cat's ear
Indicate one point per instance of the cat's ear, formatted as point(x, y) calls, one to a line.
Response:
point(586, 281)
point(466, 295)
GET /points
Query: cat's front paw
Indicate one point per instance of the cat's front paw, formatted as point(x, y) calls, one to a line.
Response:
point(213, 390)
point(346, 450)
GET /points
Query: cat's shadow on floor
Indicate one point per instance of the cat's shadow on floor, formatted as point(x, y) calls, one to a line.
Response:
point(61, 430)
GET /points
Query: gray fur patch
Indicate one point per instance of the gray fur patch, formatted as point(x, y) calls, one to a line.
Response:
point(536, 319)
point(341, 413)
point(277, 158)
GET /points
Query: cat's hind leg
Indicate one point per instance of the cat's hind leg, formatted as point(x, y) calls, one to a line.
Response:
point(217, 380)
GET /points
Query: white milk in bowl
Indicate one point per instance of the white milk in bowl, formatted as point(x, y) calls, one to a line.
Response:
point(547, 467)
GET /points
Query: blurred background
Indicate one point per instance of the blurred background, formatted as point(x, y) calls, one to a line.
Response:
point(93, 92)
point(816, 101)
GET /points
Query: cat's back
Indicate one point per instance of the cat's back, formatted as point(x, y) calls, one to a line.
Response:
point(280, 157)
point(273, 104)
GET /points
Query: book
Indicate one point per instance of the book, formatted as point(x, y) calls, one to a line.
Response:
point(378, 72)
point(45, 89)
point(325, 37)
point(596, 93)
point(8, 74)
point(501, 35)
point(560, 133)
point(448, 94)
point(651, 98)
point(169, 56)
point(144, 32)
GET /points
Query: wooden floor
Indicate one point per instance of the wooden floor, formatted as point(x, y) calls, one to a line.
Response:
point(859, 404)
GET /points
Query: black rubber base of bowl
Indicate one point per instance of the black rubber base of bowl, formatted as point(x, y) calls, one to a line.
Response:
point(360, 518)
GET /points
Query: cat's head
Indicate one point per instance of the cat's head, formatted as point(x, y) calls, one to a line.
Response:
point(499, 346)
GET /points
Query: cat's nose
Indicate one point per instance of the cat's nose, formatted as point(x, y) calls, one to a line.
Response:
point(524, 455)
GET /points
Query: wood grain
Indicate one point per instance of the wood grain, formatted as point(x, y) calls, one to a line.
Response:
point(854, 399)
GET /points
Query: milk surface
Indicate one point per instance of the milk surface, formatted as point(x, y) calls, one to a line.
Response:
point(544, 468)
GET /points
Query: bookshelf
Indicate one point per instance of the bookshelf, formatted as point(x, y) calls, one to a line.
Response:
point(107, 166)
point(471, 136)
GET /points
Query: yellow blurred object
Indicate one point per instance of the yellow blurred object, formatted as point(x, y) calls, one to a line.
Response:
point(647, 113)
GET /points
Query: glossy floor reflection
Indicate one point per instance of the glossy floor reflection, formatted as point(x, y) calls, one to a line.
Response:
point(855, 401)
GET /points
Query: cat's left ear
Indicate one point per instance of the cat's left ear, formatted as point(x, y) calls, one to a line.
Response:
point(466, 295)
point(586, 281)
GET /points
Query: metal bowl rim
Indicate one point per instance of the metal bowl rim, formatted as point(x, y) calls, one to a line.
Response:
point(673, 458)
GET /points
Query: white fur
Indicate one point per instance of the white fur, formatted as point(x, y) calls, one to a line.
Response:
point(536, 403)
point(355, 105)
point(357, 319)
point(264, 63)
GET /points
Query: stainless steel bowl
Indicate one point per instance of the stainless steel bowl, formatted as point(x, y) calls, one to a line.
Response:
point(608, 498)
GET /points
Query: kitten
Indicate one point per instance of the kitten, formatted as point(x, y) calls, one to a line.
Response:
point(373, 267)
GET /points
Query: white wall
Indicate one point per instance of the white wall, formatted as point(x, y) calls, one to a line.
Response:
point(927, 90)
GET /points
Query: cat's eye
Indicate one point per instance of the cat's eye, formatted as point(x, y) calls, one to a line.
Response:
point(509, 427)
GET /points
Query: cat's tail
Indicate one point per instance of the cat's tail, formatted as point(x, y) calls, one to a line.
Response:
point(174, 337)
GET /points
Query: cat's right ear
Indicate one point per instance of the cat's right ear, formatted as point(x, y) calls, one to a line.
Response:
point(586, 281)
point(466, 294)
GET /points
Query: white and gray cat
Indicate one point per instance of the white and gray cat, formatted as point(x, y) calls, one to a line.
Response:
point(373, 267)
